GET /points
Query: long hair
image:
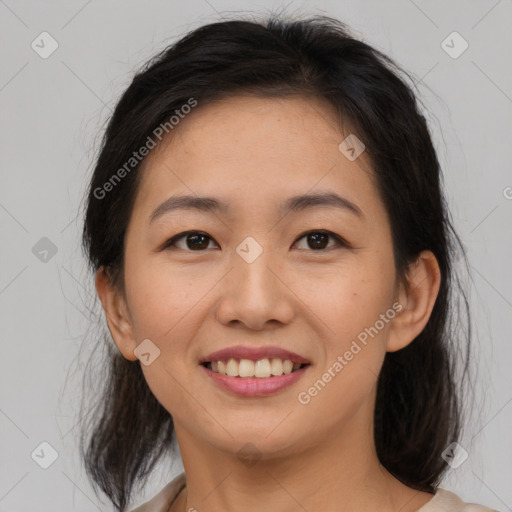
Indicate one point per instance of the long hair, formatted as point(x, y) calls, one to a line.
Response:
point(418, 409)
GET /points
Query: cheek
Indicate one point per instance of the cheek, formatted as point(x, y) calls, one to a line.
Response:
point(164, 306)
point(358, 312)
point(353, 303)
point(161, 298)
point(358, 309)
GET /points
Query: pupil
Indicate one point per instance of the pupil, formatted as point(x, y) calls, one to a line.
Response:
point(316, 238)
point(195, 237)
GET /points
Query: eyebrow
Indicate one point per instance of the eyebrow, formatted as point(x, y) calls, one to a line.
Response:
point(292, 204)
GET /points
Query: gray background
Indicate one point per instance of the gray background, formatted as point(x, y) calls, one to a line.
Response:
point(52, 111)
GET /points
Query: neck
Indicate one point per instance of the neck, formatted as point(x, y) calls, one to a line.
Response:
point(342, 473)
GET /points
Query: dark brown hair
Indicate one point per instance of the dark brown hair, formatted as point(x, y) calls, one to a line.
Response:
point(419, 401)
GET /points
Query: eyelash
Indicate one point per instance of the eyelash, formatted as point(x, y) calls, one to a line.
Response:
point(340, 242)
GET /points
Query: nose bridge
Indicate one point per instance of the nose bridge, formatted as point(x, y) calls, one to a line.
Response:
point(253, 294)
point(253, 276)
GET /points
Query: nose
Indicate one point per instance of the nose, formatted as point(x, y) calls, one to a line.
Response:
point(255, 294)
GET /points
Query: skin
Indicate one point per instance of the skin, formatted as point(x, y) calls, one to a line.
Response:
point(254, 153)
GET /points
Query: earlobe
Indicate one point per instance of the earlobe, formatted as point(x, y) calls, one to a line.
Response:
point(116, 313)
point(417, 298)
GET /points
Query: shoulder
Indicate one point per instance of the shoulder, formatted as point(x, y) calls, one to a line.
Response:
point(443, 500)
point(163, 500)
point(447, 501)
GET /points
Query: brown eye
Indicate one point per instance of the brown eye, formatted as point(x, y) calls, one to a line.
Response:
point(194, 241)
point(199, 241)
point(319, 240)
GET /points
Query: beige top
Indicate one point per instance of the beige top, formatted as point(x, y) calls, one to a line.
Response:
point(443, 500)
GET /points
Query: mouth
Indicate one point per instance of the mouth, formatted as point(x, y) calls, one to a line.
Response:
point(261, 369)
point(254, 371)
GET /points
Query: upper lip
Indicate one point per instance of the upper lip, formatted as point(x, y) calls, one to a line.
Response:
point(253, 354)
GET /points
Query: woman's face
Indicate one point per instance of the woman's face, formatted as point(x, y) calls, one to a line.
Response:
point(256, 280)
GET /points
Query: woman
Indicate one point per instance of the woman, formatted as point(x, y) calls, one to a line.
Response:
point(274, 257)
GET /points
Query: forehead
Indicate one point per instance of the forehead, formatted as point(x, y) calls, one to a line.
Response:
point(253, 147)
point(289, 127)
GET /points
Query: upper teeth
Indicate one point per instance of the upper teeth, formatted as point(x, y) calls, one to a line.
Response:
point(262, 368)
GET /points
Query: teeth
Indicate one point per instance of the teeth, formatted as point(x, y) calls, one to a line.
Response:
point(232, 368)
point(262, 369)
point(245, 368)
point(277, 367)
point(287, 366)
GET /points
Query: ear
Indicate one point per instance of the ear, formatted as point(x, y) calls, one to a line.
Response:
point(116, 313)
point(417, 297)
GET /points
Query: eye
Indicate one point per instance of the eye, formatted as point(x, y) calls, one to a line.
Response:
point(198, 240)
point(195, 241)
point(319, 239)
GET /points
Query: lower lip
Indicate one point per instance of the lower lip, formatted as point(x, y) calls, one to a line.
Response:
point(254, 386)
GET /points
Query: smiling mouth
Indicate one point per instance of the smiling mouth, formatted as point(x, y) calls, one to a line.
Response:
point(246, 368)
